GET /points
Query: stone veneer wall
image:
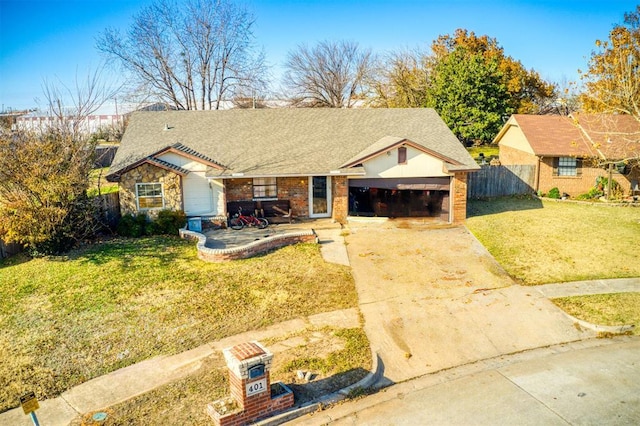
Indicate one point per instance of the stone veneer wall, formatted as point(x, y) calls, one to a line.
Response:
point(459, 198)
point(147, 173)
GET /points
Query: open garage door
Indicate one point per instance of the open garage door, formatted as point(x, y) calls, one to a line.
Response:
point(402, 197)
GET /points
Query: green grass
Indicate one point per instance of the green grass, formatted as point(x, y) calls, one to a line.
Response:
point(487, 150)
point(98, 180)
point(65, 320)
point(604, 309)
point(541, 242)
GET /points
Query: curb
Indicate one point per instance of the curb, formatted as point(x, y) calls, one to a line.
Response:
point(368, 381)
point(614, 329)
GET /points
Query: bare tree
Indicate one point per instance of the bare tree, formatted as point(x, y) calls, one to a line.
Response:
point(69, 107)
point(330, 74)
point(193, 55)
point(402, 80)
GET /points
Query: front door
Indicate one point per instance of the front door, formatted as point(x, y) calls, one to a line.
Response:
point(320, 196)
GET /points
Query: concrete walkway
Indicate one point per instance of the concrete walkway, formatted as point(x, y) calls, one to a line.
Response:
point(128, 382)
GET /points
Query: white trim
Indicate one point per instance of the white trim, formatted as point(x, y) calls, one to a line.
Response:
point(138, 196)
point(329, 200)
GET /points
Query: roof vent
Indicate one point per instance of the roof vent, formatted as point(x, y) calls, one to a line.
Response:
point(166, 126)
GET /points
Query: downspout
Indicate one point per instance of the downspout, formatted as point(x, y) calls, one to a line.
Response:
point(537, 178)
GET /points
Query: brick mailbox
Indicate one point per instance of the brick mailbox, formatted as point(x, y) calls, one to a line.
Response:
point(253, 396)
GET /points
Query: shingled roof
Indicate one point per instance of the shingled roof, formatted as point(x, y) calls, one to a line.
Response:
point(579, 135)
point(276, 142)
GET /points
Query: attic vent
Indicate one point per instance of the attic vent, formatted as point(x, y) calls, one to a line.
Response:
point(166, 126)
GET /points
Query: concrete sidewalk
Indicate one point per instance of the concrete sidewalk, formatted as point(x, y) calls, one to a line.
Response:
point(581, 288)
point(128, 382)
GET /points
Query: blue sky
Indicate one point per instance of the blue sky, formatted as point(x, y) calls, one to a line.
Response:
point(55, 39)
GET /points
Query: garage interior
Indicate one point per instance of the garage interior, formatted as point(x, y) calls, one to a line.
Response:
point(396, 198)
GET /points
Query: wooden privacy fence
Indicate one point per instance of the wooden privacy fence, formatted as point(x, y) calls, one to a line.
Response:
point(7, 250)
point(108, 208)
point(500, 181)
point(105, 155)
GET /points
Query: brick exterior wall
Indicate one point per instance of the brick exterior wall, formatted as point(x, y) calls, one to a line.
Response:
point(340, 194)
point(576, 185)
point(147, 173)
point(243, 252)
point(459, 198)
point(294, 189)
point(509, 156)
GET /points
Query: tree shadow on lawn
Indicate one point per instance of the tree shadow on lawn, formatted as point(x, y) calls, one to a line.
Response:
point(124, 250)
point(316, 389)
point(14, 260)
point(485, 207)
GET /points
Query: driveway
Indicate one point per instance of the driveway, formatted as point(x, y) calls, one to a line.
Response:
point(434, 298)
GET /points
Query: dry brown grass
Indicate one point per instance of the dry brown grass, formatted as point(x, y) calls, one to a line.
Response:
point(544, 242)
point(337, 357)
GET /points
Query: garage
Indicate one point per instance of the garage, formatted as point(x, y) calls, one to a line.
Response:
point(400, 197)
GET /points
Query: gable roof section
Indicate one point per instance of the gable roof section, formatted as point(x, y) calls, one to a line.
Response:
point(185, 151)
point(580, 135)
point(388, 143)
point(272, 142)
point(158, 162)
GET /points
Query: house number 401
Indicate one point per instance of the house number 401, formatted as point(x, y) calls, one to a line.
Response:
point(257, 387)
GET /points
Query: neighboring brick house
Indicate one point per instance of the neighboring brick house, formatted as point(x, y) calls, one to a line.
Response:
point(321, 162)
point(570, 153)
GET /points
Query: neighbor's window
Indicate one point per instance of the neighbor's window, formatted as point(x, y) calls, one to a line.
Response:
point(568, 166)
point(149, 196)
point(402, 155)
point(265, 187)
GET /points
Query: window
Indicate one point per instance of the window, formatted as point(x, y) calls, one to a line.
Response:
point(567, 166)
point(265, 187)
point(149, 196)
point(402, 155)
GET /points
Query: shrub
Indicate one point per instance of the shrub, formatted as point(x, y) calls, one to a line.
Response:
point(554, 193)
point(167, 222)
point(133, 226)
point(170, 221)
point(602, 184)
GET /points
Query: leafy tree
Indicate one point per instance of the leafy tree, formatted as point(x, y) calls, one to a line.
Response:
point(43, 184)
point(468, 92)
point(528, 92)
point(612, 81)
point(330, 74)
point(44, 174)
point(193, 54)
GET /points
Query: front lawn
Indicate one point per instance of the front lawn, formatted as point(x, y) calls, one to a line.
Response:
point(64, 320)
point(541, 242)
